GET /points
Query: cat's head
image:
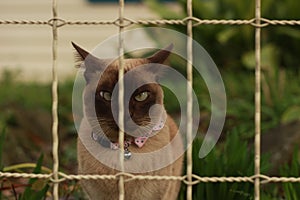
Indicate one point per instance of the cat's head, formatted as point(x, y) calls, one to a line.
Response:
point(141, 91)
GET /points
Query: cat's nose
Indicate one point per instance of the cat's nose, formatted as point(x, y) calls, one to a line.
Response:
point(129, 122)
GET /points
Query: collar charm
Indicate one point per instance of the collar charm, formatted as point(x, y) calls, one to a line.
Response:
point(140, 141)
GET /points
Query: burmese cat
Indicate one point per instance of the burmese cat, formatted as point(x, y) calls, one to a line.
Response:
point(98, 90)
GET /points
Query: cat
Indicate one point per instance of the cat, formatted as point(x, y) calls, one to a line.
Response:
point(99, 93)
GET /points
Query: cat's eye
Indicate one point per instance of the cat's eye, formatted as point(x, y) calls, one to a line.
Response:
point(105, 95)
point(142, 96)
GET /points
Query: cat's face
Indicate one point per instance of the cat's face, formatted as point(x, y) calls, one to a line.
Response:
point(138, 100)
point(141, 92)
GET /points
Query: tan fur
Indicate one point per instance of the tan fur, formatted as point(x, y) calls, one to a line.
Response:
point(168, 135)
point(136, 189)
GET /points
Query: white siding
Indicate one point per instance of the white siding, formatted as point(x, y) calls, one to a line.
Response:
point(28, 47)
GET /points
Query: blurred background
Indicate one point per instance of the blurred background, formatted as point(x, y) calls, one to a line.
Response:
point(28, 48)
point(25, 91)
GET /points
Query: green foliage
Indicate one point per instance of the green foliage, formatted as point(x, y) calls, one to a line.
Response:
point(281, 96)
point(37, 188)
point(230, 46)
point(232, 49)
point(34, 189)
point(292, 190)
point(233, 158)
point(28, 95)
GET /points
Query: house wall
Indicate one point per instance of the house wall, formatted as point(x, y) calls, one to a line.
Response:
point(27, 48)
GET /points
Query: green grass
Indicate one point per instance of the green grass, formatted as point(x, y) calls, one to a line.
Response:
point(29, 95)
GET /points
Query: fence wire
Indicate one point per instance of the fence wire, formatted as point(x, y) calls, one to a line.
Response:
point(257, 117)
point(189, 66)
point(128, 22)
point(55, 140)
point(121, 99)
point(122, 22)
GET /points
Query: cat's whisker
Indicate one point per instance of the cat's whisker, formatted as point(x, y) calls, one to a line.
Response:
point(99, 121)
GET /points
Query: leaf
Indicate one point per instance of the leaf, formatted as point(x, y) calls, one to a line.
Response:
point(269, 58)
point(225, 35)
point(291, 114)
point(291, 190)
point(41, 193)
point(30, 193)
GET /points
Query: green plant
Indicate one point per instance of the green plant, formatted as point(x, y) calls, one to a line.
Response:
point(235, 158)
point(281, 96)
point(33, 189)
point(291, 190)
point(13, 92)
point(280, 87)
point(232, 158)
point(36, 188)
point(230, 46)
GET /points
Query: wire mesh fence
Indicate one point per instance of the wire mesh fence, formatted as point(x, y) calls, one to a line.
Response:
point(190, 179)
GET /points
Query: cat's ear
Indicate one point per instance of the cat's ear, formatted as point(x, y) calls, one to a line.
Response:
point(80, 53)
point(92, 64)
point(161, 56)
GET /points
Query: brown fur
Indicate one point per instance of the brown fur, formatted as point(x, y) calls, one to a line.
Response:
point(88, 164)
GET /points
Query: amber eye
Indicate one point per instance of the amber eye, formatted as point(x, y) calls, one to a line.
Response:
point(142, 96)
point(105, 95)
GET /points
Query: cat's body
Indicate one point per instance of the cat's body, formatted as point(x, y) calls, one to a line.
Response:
point(139, 104)
point(136, 189)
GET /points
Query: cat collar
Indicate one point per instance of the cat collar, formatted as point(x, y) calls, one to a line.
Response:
point(139, 141)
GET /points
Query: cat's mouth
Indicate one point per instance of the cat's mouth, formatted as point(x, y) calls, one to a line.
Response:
point(131, 129)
